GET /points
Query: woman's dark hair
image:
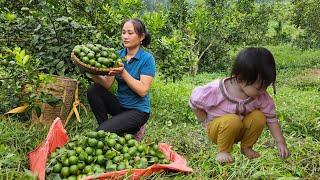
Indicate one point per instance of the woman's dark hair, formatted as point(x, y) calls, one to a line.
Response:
point(140, 29)
point(252, 64)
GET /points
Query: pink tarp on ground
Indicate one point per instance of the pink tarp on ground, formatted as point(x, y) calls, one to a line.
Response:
point(57, 137)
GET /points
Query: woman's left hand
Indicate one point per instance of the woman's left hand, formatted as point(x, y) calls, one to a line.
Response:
point(116, 70)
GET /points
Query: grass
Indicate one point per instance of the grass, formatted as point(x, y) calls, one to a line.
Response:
point(298, 108)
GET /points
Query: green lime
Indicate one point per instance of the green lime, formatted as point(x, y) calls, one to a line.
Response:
point(73, 177)
point(81, 165)
point(100, 159)
point(89, 159)
point(71, 153)
point(97, 65)
point(95, 49)
point(57, 168)
point(121, 166)
point(82, 141)
point(152, 152)
point(111, 167)
point(99, 170)
point(126, 156)
point(132, 142)
point(117, 159)
point(82, 54)
point(155, 147)
point(73, 169)
point(104, 53)
point(89, 150)
point(141, 148)
point(90, 55)
point(88, 169)
point(65, 172)
point(122, 140)
point(141, 164)
point(113, 136)
point(113, 56)
point(92, 62)
point(111, 142)
point(92, 142)
point(85, 59)
point(132, 151)
point(65, 162)
point(100, 145)
point(73, 160)
point(110, 154)
point(92, 134)
point(83, 156)
point(79, 150)
point(85, 50)
point(111, 50)
point(128, 137)
point(100, 59)
point(99, 152)
point(118, 147)
point(90, 46)
point(98, 55)
point(76, 51)
point(71, 144)
point(101, 133)
point(125, 149)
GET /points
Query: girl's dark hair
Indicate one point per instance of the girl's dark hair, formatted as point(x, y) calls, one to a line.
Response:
point(252, 64)
point(140, 29)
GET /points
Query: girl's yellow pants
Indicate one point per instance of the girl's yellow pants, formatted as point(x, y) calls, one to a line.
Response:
point(230, 129)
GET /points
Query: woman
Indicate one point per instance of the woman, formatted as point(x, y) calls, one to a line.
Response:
point(130, 106)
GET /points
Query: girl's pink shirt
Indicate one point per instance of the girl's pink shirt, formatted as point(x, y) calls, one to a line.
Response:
point(215, 100)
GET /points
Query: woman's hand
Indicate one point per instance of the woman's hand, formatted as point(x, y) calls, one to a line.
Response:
point(116, 70)
point(283, 150)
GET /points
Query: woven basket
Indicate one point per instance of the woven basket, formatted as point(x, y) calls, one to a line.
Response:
point(88, 68)
point(62, 88)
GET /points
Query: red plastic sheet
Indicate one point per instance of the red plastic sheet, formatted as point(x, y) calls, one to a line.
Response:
point(57, 137)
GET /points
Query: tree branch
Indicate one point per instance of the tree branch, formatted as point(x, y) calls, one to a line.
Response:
point(54, 28)
point(207, 48)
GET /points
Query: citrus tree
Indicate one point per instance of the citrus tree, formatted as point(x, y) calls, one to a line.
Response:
point(306, 16)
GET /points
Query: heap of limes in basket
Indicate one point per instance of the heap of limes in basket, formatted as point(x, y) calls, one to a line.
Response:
point(97, 55)
point(98, 152)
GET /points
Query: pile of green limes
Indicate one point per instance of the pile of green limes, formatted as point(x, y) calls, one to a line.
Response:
point(97, 55)
point(98, 152)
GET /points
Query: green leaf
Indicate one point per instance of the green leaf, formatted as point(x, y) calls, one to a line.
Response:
point(10, 16)
point(25, 59)
point(18, 59)
point(60, 65)
point(23, 53)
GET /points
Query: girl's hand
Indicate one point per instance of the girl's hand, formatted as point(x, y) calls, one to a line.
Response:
point(117, 70)
point(201, 114)
point(283, 150)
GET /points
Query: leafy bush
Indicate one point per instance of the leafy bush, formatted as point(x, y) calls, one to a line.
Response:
point(306, 16)
point(20, 82)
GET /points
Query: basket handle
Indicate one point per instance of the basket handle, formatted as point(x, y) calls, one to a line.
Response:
point(74, 109)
